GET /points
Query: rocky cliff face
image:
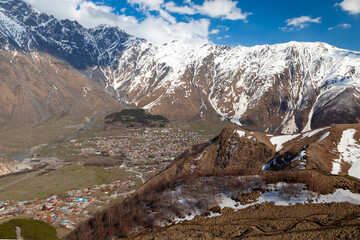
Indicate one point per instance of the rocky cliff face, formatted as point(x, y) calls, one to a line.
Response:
point(10, 166)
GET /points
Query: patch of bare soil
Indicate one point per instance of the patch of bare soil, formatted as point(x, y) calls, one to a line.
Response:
point(267, 221)
point(248, 198)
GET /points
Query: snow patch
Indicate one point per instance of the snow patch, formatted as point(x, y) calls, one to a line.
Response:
point(240, 133)
point(279, 197)
point(281, 194)
point(312, 133)
point(214, 215)
point(187, 217)
point(154, 103)
point(289, 126)
point(196, 161)
point(302, 158)
point(235, 121)
point(325, 135)
point(251, 138)
point(340, 195)
point(280, 140)
point(349, 152)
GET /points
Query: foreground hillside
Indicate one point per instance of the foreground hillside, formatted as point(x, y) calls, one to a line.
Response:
point(333, 149)
point(239, 174)
point(267, 221)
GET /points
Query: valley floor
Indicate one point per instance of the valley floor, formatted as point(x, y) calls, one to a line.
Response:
point(63, 191)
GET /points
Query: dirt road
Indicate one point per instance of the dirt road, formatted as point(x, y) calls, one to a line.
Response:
point(18, 233)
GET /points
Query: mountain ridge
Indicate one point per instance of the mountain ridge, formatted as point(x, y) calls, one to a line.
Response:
point(282, 88)
point(27, 29)
point(234, 81)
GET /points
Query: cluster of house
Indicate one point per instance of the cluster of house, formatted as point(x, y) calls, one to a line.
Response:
point(156, 144)
point(71, 208)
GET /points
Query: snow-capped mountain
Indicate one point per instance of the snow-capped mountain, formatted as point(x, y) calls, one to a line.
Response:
point(282, 88)
point(37, 85)
point(25, 28)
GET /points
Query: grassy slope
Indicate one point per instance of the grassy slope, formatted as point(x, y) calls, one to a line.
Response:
point(58, 181)
point(30, 229)
point(60, 231)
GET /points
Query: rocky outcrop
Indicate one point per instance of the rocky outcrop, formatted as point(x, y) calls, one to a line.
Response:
point(10, 166)
point(232, 149)
point(334, 149)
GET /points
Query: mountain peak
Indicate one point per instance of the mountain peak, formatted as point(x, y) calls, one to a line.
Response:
point(23, 27)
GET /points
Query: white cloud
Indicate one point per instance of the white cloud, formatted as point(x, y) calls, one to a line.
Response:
point(160, 31)
point(214, 31)
point(351, 6)
point(171, 7)
point(226, 9)
point(149, 4)
point(343, 26)
point(153, 5)
point(164, 14)
point(65, 8)
point(299, 23)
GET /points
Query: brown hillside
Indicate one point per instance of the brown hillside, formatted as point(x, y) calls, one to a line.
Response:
point(212, 168)
point(266, 221)
point(37, 90)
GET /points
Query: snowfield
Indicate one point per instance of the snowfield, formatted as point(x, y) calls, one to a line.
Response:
point(280, 196)
point(280, 140)
point(349, 150)
point(325, 135)
point(312, 133)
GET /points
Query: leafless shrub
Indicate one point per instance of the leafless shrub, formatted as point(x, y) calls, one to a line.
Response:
point(159, 203)
point(311, 183)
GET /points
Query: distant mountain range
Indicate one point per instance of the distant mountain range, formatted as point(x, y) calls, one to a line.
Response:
point(283, 88)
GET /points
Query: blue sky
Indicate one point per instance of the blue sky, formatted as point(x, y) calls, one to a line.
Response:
point(226, 22)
